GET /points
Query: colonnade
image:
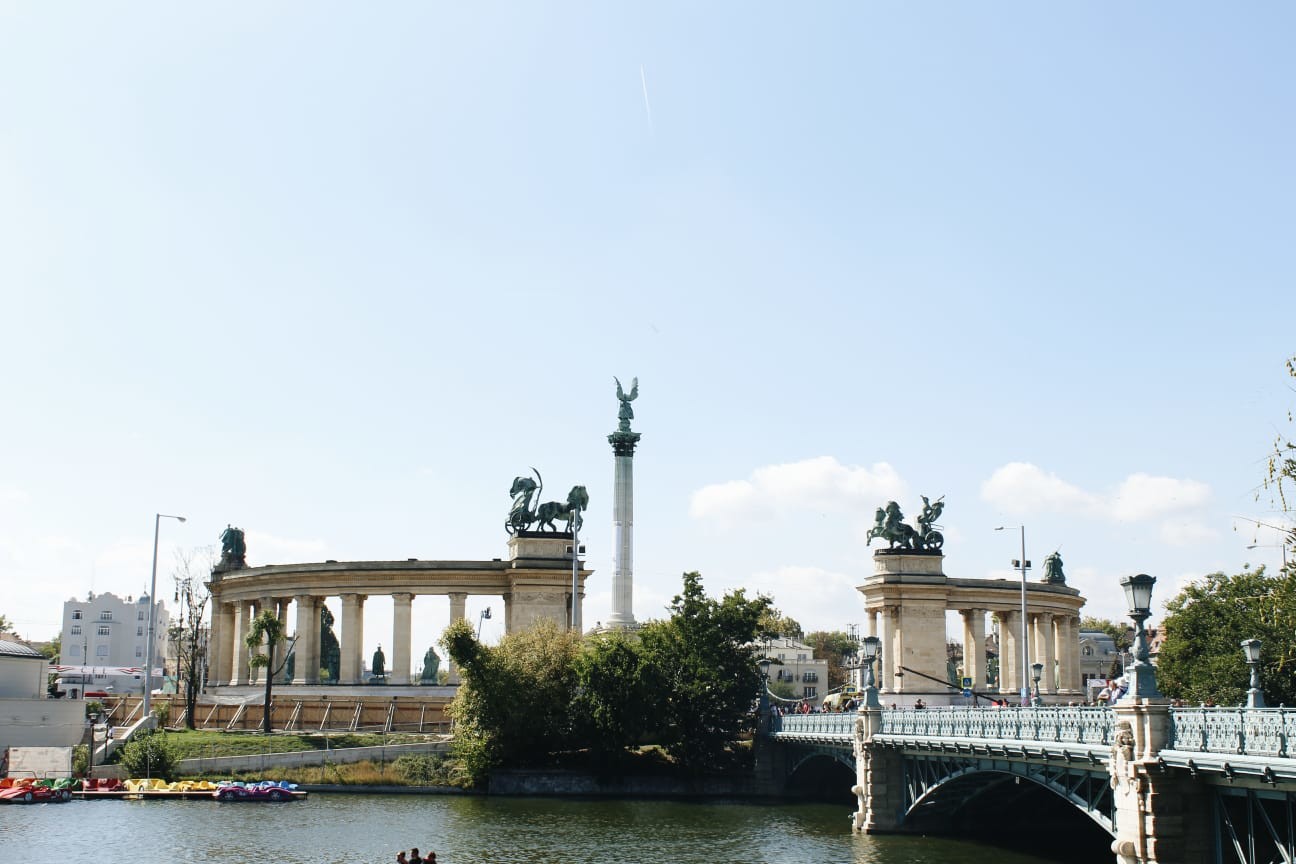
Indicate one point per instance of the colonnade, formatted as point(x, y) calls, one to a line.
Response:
point(1053, 642)
point(232, 621)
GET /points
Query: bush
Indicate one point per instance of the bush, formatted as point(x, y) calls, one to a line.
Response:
point(93, 709)
point(148, 756)
point(427, 770)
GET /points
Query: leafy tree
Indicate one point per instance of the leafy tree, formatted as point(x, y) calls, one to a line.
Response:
point(1280, 470)
point(1201, 659)
point(1123, 636)
point(266, 628)
point(783, 689)
point(6, 626)
point(148, 755)
point(834, 646)
point(774, 623)
point(617, 691)
point(710, 679)
point(189, 634)
point(330, 649)
point(53, 648)
point(514, 705)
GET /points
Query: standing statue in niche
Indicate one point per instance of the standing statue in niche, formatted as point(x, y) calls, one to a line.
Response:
point(431, 663)
point(1053, 574)
point(625, 413)
point(379, 664)
point(233, 549)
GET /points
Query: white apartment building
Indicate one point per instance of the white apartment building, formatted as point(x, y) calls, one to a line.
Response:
point(105, 645)
point(794, 663)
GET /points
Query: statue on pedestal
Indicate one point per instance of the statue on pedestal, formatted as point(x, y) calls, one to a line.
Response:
point(379, 665)
point(431, 663)
point(1053, 574)
point(890, 526)
point(233, 549)
point(625, 413)
point(522, 515)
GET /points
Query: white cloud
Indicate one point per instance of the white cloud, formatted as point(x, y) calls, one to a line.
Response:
point(1187, 532)
point(1143, 497)
point(1020, 487)
point(818, 484)
point(804, 593)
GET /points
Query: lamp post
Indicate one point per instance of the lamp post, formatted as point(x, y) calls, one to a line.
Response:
point(1037, 669)
point(1023, 565)
point(763, 705)
point(152, 619)
point(1251, 651)
point(870, 647)
point(1141, 674)
point(575, 601)
point(485, 613)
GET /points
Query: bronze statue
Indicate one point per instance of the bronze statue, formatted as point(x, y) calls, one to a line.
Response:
point(570, 512)
point(625, 413)
point(522, 490)
point(1053, 574)
point(379, 666)
point(233, 549)
point(431, 662)
point(522, 515)
point(890, 526)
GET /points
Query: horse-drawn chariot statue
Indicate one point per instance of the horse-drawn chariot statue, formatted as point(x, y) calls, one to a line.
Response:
point(890, 526)
point(523, 514)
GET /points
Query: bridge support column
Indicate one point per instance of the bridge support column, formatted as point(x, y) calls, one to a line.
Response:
point(879, 778)
point(1160, 817)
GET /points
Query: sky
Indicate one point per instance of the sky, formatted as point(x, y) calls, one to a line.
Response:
point(336, 274)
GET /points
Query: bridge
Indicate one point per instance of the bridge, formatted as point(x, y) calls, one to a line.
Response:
point(1166, 784)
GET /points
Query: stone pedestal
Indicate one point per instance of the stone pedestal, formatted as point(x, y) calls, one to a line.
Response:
point(913, 628)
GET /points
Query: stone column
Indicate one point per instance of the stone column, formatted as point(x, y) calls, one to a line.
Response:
point(974, 646)
point(1009, 651)
point(349, 640)
point(214, 635)
point(242, 623)
point(221, 644)
point(872, 622)
point(888, 637)
point(458, 609)
point(307, 645)
point(401, 606)
point(1044, 643)
point(281, 653)
point(623, 443)
point(1076, 669)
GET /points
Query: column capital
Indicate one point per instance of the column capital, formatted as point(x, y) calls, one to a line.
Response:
point(403, 597)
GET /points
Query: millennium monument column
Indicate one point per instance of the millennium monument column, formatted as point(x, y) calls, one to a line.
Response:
point(623, 443)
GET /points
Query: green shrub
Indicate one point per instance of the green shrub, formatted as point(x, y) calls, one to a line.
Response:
point(148, 756)
point(427, 770)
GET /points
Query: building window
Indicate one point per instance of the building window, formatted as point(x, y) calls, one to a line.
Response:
point(1088, 651)
point(801, 658)
point(810, 692)
point(74, 650)
point(139, 631)
point(101, 651)
point(139, 652)
point(76, 614)
point(105, 615)
point(139, 616)
point(810, 676)
point(76, 629)
point(104, 630)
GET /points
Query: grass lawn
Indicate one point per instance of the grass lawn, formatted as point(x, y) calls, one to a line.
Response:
point(188, 744)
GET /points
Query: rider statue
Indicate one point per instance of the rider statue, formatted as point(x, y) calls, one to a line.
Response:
point(890, 526)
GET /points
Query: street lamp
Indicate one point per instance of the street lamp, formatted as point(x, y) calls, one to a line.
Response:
point(1037, 669)
point(1251, 651)
point(1023, 565)
point(871, 647)
point(485, 613)
point(763, 709)
point(1138, 596)
point(152, 619)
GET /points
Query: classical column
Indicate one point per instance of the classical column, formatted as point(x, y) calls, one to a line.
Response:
point(458, 610)
point(401, 605)
point(887, 620)
point(214, 635)
point(623, 443)
point(307, 646)
point(1073, 651)
point(281, 655)
point(1045, 643)
point(872, 622)
point(349, 647)
point(974, 646)
point(1009, 651)
point(242, 623)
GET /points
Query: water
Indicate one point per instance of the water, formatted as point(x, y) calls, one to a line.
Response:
point(370, 829)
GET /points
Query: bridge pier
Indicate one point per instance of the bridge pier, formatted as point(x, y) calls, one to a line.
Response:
point(879, 778)
point(1161, 817)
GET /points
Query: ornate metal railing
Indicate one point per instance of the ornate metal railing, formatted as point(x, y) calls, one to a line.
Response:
point(1256, 732)
point(1061, 725)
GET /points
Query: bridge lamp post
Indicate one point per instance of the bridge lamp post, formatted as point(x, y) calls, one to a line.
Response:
point(1138, 596)
point(152, 619)
point(1251, 651)
point(870, 647)
point(764, 704)
point(1023, 565)
point(1037, 669)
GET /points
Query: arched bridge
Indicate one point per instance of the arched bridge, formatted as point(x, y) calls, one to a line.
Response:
point(1166, 784)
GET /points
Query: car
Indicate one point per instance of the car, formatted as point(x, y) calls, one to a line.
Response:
point(254, 792)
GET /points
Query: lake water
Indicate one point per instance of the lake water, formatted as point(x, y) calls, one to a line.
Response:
point(370, 829)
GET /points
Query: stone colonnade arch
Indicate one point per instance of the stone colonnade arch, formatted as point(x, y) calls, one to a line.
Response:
point(535, 582)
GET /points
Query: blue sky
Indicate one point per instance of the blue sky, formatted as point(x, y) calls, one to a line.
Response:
point(336, 274)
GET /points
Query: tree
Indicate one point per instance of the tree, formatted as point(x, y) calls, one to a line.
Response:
point(774, 624)
point(834, 646)
point(330, 649)
point(148, 755)
point(514, 705)
point(268, 632)
point(53, 648)
point(1201, 659)
point(1121, 635)
point(617, 687)
point(709, 675)
point(1280, 468)
point(189, 633)
point(6, 626)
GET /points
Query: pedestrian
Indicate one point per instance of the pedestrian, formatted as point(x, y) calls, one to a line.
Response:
point(415, 857)
point(400, 857)
point(431, 859)
point(919, 704)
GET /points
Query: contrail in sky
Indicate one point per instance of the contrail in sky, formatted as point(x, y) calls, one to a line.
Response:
point(647, 104)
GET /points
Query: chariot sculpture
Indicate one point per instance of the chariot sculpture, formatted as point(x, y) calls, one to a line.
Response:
point(523, 514)
point(890, 526)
